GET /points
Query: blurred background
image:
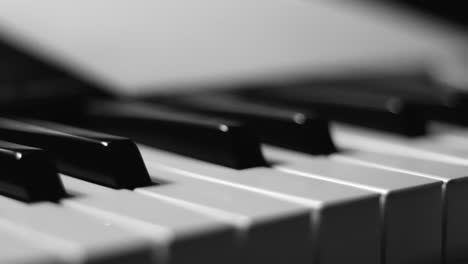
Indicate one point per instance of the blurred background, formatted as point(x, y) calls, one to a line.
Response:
point(143, 46)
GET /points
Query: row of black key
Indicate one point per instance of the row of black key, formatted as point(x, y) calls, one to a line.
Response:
point(109, 160)
point(220, 141)
point(302, 131)
point(398, 103)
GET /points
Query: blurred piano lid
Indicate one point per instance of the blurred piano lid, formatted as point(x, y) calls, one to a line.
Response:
point(139, 46)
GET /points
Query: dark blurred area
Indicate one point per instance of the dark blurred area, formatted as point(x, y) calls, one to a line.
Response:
point(34, 88)
point(451, 11)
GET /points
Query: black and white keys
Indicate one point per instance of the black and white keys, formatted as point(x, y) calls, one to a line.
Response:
point(344, 219)
point(336, 205)
point(149, 230)
point(440, 157)
point(173, 234)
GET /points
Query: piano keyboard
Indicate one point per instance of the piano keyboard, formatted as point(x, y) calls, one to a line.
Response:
point(242, 182)
point(368, 168)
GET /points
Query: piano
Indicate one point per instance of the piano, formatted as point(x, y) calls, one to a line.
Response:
point(220, 131)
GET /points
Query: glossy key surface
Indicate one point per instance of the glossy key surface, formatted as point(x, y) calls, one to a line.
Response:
point(258, 219)
point(215, 140)
point(419, 89)
point(105, 159)
point(377, 111)
point(302, 131)
point(28, 174)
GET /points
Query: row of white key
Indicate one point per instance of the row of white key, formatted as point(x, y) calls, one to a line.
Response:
point(169, 233)
point(356, 237)
point(441, 156)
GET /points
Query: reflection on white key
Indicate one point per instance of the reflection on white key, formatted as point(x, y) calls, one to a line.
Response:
point(17, 251)
point(455, 193)
point(271, 230)
point(412, 205)
point(345, 220)
point(179, 235)
point(73, 237)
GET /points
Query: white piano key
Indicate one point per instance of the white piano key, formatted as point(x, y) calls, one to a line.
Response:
point(179, 235)
point(454, 143)
point(260, 220)
point(412, 205)
point(455, 193)
point(73, 237)
point(17, 251)
point(10, 204)
point(80, 188)
point(345, 220)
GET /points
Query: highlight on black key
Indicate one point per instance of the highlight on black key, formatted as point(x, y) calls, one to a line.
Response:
point(216, 140)
point(28, 174)
point(96, 157)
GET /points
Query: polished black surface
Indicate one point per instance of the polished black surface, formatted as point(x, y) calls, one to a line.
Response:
point(104, 159)
point(301, 131)
point(428, 97)
point(28, 174)
point(214, 140)
point(373, 110)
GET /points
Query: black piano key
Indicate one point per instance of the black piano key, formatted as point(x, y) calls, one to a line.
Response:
point(104, 159)
point(279, 126)
point(218, 141)
point(431, 99)
point(373, 110)
point(28, 174)
point(417, 88)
